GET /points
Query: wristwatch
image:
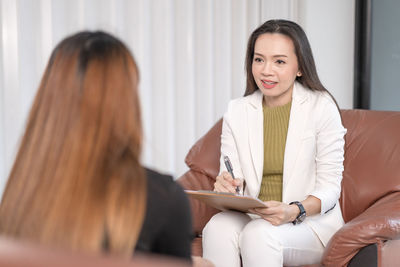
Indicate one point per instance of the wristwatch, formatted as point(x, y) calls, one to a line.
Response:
point(302, 215)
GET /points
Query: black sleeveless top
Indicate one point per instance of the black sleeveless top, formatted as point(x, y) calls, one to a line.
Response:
point(167, 226)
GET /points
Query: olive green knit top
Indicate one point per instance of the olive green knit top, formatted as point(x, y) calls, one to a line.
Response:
point(276, 121)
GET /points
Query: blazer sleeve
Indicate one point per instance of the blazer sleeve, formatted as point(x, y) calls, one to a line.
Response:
point(329, 154)
point(228, 141)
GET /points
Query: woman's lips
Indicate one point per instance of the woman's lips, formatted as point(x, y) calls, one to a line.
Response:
point(268, 84)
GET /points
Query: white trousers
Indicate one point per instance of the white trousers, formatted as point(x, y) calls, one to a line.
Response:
point(230, 235)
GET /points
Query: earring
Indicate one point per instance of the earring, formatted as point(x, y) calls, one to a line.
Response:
point(299, 74)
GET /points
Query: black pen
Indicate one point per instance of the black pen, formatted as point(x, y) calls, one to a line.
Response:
point(228, 166)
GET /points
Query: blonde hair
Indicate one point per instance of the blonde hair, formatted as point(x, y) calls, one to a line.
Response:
point(77, 181)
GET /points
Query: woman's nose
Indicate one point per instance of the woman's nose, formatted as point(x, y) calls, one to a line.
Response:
point(267, 69)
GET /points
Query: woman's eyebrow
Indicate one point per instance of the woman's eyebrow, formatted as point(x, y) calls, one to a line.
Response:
point(261, 55)
point(279, 56)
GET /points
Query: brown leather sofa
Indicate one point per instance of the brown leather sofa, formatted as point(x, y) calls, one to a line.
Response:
point(22, 254)
point(370, 197)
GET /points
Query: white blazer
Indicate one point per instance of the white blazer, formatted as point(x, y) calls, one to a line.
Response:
point(313, 160)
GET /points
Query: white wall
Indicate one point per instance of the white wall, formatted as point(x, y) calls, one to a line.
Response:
point(2, 149)
point(330, 28)
point(190, 54)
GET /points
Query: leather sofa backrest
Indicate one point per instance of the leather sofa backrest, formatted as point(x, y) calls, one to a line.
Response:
point(204, 155)
point(372, 157)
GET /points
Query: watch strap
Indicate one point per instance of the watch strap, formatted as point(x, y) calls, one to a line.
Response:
point(302, 215)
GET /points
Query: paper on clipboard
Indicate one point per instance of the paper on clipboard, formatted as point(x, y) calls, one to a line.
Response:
point(226, 201)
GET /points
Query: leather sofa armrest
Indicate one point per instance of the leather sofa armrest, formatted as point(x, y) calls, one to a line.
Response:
point(201, 213)
point(378, 223)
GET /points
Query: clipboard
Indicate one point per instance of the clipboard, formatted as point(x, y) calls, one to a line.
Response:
point(226, 201)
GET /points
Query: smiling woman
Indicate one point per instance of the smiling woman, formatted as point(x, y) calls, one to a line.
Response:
point(285, 139)
point(275, 68)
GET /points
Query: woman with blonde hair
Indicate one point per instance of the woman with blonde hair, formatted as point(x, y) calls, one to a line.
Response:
point(77, 182)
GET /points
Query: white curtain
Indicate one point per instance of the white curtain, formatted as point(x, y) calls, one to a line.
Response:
point(190, 55)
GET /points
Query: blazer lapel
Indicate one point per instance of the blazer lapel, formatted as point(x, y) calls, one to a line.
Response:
point(255, 132)
point(297, 120)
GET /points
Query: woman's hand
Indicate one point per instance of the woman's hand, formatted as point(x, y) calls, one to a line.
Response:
point(277, 213)
point(225, 183)
point(201, 262)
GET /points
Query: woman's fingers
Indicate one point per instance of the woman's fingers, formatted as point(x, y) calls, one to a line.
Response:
point(276, 213)
point(238, 182)
point(224, 183)
point(265, 211)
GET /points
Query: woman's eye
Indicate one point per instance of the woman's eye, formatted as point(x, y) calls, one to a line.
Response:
point(280, 61)
point(257, 59)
